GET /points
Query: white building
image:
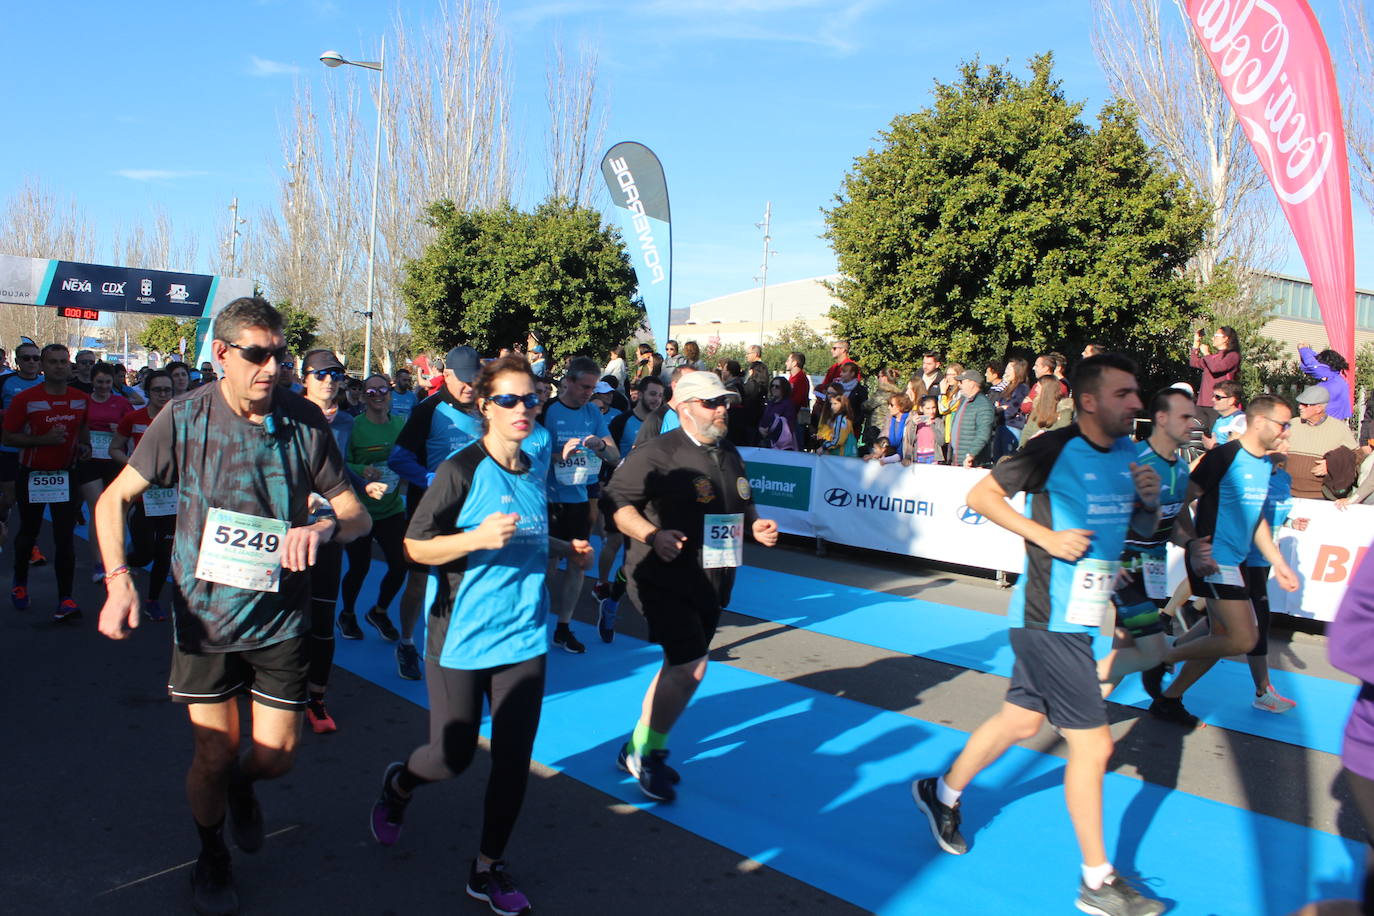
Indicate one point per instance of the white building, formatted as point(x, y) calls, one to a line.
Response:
point(755, 315)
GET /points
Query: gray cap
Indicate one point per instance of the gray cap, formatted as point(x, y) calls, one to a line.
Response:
point(464, 363)
point(969, 375)
point(1314, 394)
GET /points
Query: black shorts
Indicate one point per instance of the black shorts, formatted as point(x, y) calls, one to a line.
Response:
point(1217, 591)
point(568, 521)
point(9, 467)
point(103, 471)
point(274, 675)
point(1056, 675)
point(607, 510)
point(682, 620)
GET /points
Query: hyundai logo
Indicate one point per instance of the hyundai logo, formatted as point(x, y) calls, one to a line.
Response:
point(838, 497)
point(970, 517)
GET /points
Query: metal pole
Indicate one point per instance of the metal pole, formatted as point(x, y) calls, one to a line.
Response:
point(372, 231)
point(767, 240)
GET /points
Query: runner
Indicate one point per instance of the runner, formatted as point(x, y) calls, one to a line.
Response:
point(29, 362)
point(1083, 489)
point(683, 501)
point(481, 527)
point(403, 398)
point(1142, 589)
point(153, 518)
point(1230, 485)
point(48, 423)
point(582, 441)
point(1278, 504)
point(246, 455)
point(181, 377)
point(439, 426)
point(324, 377)
point(104, 411)
point(374, 436)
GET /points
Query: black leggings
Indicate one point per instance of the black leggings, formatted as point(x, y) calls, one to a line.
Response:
point(1257, 581)
point(63, 533)
point(1362, 790)
point(516, 695)
point(324, 591)
point(389, 533)
point(152, 537)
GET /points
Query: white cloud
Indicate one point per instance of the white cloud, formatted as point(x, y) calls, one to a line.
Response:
point(156, 174)
point(263, 67)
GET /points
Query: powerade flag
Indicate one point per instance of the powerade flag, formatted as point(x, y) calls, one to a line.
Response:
point(635, 179)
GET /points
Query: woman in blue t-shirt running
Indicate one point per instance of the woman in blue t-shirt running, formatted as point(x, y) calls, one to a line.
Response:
point(482, 527)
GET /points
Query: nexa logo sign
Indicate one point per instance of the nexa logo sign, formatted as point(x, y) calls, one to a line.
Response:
point(76, 285)
point(841, 498)
point(970, 517)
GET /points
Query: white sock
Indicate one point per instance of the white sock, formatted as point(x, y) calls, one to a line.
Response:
point(407, 640)
point(947, 796)
point(1096, 875)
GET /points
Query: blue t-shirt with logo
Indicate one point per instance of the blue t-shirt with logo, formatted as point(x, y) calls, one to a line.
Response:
point(1069, 483)
point(485, 609)
point(1173, 493)
point(403, 402)
point(1227, 428)
point(1278, 504)
point(670, 422)
point(1234, 487)
point(564, 423)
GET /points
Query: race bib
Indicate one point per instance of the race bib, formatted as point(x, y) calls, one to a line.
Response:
point(1156, 573)
point(100, 444)
point(722, 541)
point(242, 550)
point(1090, 596)
point(160, 501)
point(1226, 575)
point(49, 486)
point(577, 470)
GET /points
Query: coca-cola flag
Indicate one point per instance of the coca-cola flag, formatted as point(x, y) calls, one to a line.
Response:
point(1274, 65)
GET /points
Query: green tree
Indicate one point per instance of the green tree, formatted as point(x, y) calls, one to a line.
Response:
point(299, 327)
point(492, 275)
point(997, 220)
point(164, 334)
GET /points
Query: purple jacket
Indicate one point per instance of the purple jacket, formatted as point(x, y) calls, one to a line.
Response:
point(1335, 384)
point(1350, 644)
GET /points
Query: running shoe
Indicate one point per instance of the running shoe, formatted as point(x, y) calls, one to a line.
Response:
point(408, 661)
point(630, 764)
point(654, 780)
point(320, 719)
point(605, 621)
point(1152, 679)
point(67, 611)
point(944, 819)
point(601, 590)
point(245, 814)
point(1271, 701)
point(153, 608)
point(563, 638)
point(378, 620)
point(1116, 898)
point(498, 889)
point(1169, 709)
point(19, 597)
point(389, 811)
point(212, 885)
point(36, 558)
point(348, 626)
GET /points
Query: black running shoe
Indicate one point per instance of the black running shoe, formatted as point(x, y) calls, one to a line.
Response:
point(378, 620)
point(1168, 709)
point(389, 811)
point(408, 661)
point(563, 638)
point(630, 764)
point(497, 888)
point(212, 886)
point(1152, 679)
point(245, 814)
point(944, 819)
point(348, 626)
point(654, 780)
point(1116, 898)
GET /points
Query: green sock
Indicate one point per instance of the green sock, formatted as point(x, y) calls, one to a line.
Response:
point(645, 739)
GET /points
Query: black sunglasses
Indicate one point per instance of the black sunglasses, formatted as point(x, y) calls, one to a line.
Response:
point(259, 356)
point(510, 400)
point(322, 374)
point(712, 403)
point(377, 392)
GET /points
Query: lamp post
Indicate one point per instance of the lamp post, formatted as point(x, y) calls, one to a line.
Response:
point(335, 59)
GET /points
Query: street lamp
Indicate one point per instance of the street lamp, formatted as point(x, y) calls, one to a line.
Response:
point(333, 59)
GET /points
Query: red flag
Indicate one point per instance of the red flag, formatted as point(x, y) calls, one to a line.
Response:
point(1275, 68)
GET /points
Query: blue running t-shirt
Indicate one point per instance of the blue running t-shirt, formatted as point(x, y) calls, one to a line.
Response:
point(566, 423)
point(1173, 493)
point(1234, 485)
point(1278, 504)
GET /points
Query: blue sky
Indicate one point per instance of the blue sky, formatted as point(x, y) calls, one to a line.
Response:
point(175, 104)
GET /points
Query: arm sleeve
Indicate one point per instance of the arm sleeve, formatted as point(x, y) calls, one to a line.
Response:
point(629, 484)
point(155, 458)
point(1028, 469)
point(1209, 470)
point(437, 512)
point(1312, 366)
point(405, 463)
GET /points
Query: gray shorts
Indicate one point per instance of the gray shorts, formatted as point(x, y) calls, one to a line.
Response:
point(1056, 675)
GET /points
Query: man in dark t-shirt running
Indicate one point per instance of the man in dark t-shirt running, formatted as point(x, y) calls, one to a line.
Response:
point(246, 454)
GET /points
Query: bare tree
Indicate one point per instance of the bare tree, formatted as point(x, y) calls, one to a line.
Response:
point(577, 127)
point(1153, 60)
point(158, 246)
point(1358, 97)
point(36, 224)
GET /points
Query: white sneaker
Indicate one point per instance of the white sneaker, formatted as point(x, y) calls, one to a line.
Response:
point(1270, 701)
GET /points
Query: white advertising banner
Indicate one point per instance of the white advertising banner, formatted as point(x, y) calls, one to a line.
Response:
point(782, 484)
point(920, 511)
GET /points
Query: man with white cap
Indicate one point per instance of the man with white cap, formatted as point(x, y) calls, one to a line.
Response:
point(1310, 439)
point(683, 502)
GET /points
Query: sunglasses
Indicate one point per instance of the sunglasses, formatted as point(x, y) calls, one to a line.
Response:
point(508, 401)
point(259, 356)
point(377, 392)
point(712, 403)
point(322, 374)
point(1283, 426)
point(161, 389)
point(1220, 397)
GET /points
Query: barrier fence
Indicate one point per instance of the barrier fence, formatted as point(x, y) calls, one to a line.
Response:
point(921, 511)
